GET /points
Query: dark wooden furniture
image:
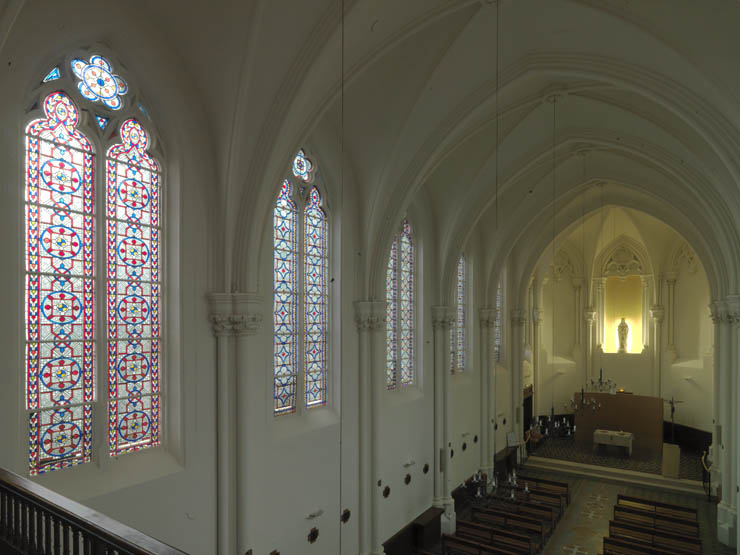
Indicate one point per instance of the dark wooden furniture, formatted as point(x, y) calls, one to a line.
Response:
point(455, 545)
point(663, 509)
point(651, 537)
point(427, 527)
point(561, 488)
point(512, 521)
point(650, 519)
point(619, 546)
point(489, 535)
point(34, 519)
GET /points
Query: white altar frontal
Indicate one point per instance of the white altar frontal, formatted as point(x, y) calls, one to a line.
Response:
point(609, 437)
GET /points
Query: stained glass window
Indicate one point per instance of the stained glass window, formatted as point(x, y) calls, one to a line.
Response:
point(98, 83)
point(133, 291)
point(53, 75)
point(457, 332)
point(301, 302)
point(400, 316)
point(316, 305)
point(285, 317)
point(497, 329)
point(101, 121)
point(60, 288)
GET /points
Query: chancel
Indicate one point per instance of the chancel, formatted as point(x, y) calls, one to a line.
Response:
point(329, 277)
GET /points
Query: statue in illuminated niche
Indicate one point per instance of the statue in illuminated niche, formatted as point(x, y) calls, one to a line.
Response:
point(623, 331)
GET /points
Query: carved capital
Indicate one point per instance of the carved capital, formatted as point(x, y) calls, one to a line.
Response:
point(487, 317)
point(246, 324)
point(538, 316)
point(657, 313)
point(220, 323)
point(733, 309)
point(235, 313)
point(370, 315)
point(670, 278)
point(589, 314)
point(518, 317)
point(716, 310)
point(442, 317)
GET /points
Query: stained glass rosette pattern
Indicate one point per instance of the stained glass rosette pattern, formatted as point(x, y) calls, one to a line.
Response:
point(98, 83)
point(133, 292)
point(460, 323)
point(391, 297)
point(302, 167)
point(406, 305)
point(60, 288)
point(285, 314)
point(316, 300)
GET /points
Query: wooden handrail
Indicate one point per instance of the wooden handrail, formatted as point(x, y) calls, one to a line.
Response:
point(34, 519)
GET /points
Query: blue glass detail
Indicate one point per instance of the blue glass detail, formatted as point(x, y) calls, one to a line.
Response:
point(53, 75)
point(102, 122)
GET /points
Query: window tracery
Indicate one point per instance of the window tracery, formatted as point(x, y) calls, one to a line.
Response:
point(400, 310)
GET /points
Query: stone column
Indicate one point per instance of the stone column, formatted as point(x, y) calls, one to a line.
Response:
point(369, 317)
point(671, 351)
point(657, 313)
point(726, 514)
point(733, 308)
point(442, 320)
point(589, 315)
point(601, 311)
point(518, 319)
point(714, 449)
point(645, 310)
point(222, 327)
point(487, 319)
point(577, 332)
point(538, 317)
point(246, 320)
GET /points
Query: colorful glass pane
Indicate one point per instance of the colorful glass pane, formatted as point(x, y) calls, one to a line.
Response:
point(285, 315)
point(391, 293)
point(316, 300)
point(53, 75)
point(497, 323)
point(460, 323)
point(133, 292)
point(60, 288)
point(406, 305)
point(98, 83)
point(302, 167)
point(102, 121)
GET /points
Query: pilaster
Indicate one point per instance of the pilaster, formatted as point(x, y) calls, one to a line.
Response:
point(518, 320)
point(671, 351)
point(487, 319)
point(657, 313)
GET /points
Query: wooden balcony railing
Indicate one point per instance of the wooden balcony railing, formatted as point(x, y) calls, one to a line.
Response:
point(36, 521)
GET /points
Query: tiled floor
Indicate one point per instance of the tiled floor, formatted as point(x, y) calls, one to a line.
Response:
point(586, 521)
point(567, 449)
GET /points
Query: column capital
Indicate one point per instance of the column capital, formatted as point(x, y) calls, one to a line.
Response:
point(518, 317)
point(657, 313)
point(487, 317)
point(670, 278)
point(538, 316)
point(717, 311)
point(234, 313)
point(577, 282)
point(733, 309)
point(442, 317)
point(589, 314)
point(370, 315)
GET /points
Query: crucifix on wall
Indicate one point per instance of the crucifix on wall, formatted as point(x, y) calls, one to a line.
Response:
point(673, 404)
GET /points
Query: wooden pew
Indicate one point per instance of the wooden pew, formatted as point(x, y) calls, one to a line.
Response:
point(456, 545)
point(656, 538)
point(538, 495)
point(517, 543)
point(512, 520)
point(652, 520)
point(619, 546)
point(560, 488)
point(663, 509)
point(547, 514)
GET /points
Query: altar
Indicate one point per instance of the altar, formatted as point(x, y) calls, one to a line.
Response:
point(611, 437)
point(640, 416)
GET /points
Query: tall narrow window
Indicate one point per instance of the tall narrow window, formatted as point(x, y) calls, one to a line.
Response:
point(315, 268)
point(285, 245)
point(301, 301)
point(60, 288)
point(400, 298)
point(133, 281)
point(457, 332)
point(497, 329)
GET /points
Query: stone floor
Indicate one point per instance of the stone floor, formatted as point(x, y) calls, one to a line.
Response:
point(586, 521)
point(567, 449)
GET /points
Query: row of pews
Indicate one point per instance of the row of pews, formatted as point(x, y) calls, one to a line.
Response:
point(642, 526)
point(517, 518)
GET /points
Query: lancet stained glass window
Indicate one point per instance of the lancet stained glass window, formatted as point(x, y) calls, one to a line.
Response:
point(285, 317)
point(301, 293)
point(60, 288)
point(316, 299)
point(457, 332)
point(400, 316)
point(133, 295)
point(497, 329)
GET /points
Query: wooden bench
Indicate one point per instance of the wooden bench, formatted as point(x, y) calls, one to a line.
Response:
point(663, 509)
point(545, 513)
point(561, 488)
point(651, 520)
point(656, 538)
point(517, 543)
point(538, 495)
point(455, 545)
point(512, 520)
point(619, 546)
